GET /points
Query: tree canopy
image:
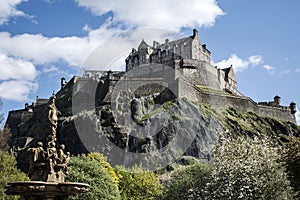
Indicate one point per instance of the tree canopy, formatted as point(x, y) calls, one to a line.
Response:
point(9, 173)
point(85, 169)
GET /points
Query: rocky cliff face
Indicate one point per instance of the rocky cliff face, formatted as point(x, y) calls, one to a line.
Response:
point(144, 130)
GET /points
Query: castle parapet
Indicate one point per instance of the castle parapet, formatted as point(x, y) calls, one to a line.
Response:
point(277, 104)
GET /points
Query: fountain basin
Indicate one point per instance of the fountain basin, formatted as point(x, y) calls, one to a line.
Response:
point(39, 190)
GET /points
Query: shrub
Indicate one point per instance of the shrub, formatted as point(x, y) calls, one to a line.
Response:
point(188, 181)
point(9, 173)
point(291, 157)
point(84, 169)
point(106, 166)
point(138, 184)
point(248, 169)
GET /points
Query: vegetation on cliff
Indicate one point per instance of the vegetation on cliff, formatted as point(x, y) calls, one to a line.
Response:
point(9, 173)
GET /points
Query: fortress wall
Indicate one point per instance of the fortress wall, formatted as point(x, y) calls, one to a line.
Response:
point(204, 74)
point(242, 104)
point(195, 76)
point(16, 117)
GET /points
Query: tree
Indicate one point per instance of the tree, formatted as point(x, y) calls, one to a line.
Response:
point(84, 169)
point(138, 184)
point(106, 166)
point(9, 173)
point(187, 182)
point(248, 169)
point(291, 157)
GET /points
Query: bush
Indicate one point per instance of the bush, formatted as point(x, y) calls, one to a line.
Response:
point(84, 169)
point(248, 169)
point(9, 173)
point(188, 181)
point(138, 184)
point(106, 166)
point(291, 157)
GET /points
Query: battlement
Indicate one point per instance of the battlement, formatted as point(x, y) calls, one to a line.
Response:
point(219, 99)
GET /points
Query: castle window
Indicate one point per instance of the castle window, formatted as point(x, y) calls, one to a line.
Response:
point(182, 48)
point(143, 58)
point(174, 49)
point(159, 53)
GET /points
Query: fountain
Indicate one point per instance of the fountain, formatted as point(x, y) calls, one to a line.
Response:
point(48, 168)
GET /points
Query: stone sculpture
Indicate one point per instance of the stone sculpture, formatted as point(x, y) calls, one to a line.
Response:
point(47, 169)
point(50, 164)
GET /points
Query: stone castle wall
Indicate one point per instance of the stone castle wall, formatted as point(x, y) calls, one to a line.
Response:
point(178, 81)
point(240, 103)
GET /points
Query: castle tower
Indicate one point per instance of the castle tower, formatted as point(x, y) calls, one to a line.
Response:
point(277, 100)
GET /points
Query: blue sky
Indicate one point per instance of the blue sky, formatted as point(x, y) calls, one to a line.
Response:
point(42, 41)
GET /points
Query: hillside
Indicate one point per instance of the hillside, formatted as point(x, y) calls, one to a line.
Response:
point(160, 131)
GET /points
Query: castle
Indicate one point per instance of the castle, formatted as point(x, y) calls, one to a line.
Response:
point(174, 69)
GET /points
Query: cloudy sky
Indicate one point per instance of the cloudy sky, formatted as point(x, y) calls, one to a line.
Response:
point(42, 41)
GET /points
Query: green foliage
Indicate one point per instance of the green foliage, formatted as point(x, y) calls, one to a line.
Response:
point(106, 166)
point(9, 173)
point(291, 157)
point(248, 169)
point(187, 181)
point(88, 170)
point(138, 184)
point(210, 90)
point(252, 125)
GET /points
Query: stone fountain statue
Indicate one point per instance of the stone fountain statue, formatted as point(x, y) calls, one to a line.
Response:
point(48, 168)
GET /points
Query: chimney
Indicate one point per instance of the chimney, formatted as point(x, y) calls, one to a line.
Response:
point(63, 82)
point(167, 41)
point(195, 33)
point(155, 44)
point(293, 108)
point(277, 100)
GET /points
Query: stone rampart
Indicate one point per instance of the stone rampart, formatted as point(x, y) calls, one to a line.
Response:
point(221, 100)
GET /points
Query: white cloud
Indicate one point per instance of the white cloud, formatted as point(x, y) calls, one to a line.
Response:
point(297, 69)
point(8, 9)
point(42, 50)
point(255, 60)
point(156, 13)
point(12, 68)
point(240, 64)
point(269, 68)
point(17, 78)
point(17, 90)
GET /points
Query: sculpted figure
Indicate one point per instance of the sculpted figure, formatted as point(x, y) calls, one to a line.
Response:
point(63, 158)
point(52, 156)
point(52, 115)
point(39, 153)
point(38, 158)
